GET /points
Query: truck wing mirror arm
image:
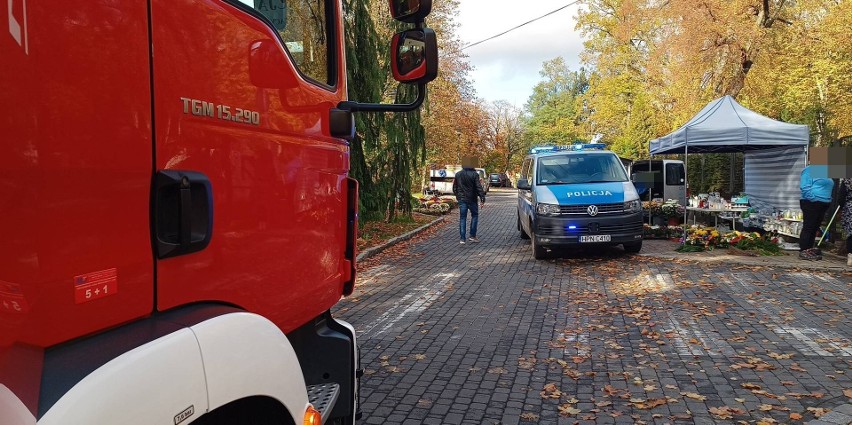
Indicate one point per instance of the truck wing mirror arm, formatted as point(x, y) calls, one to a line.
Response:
point(386, 107)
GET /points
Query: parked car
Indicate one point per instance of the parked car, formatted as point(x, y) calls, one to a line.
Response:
point(499, 180)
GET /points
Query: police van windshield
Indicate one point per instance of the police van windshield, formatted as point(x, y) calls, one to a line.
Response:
point(580, 168)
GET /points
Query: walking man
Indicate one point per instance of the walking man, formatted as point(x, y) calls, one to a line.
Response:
point(467, 188)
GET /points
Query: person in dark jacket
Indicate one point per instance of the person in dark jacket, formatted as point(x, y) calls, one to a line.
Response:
point(467, 189)
point(844, 199)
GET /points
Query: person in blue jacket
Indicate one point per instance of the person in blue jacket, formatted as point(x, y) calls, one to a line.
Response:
point(816, 197)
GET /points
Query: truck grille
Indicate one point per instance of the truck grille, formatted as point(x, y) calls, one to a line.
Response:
point(582, 209)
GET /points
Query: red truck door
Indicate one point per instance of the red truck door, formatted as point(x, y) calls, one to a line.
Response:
point(75, 176)
point(251, 116)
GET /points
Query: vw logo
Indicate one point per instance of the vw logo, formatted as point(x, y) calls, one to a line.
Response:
point(592, 210)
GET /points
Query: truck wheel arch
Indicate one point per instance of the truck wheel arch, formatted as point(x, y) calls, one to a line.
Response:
point(226, 360)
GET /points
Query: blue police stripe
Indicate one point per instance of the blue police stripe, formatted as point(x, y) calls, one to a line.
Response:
point(581, 194)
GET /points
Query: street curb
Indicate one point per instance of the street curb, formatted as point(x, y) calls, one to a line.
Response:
point(813, 266)
point(369, 252)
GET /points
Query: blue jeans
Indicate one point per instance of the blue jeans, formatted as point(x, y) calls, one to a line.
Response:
point(464, 206)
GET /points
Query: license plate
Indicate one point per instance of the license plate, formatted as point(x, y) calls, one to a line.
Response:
point(596, 238)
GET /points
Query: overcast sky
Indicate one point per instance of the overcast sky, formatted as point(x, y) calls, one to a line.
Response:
point(507, 67)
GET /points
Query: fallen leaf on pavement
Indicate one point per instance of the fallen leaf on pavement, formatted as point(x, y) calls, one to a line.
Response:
point(650, 404)
point(551, 391)
point(797, 368)
point(694, 396)
point(818, 411)
point(567, 410)
point(529, 417)
point(726, 412)
point(795, 416)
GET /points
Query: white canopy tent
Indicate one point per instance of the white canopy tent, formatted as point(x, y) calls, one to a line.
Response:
point(775, 152)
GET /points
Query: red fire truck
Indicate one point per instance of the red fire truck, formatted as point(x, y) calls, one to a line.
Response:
point(177, 214)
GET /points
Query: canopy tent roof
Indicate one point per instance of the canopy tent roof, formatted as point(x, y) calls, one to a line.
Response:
point(726, 126)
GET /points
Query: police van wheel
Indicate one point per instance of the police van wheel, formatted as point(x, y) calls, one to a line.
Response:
point(633, 247)
point(524, 234)
point(539, 252)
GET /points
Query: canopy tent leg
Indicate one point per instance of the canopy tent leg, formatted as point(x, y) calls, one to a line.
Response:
point(686, 188)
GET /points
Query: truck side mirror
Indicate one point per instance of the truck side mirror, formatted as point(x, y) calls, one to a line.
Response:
point(411, 11)
point(414, 56)
point(523, 184)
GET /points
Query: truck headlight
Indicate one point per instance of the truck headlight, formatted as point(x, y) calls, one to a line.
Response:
point(547, 209)
point(633, 206)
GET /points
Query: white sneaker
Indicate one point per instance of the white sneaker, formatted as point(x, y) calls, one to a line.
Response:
point(461, 242)
point(474, 240)
point(849, 260)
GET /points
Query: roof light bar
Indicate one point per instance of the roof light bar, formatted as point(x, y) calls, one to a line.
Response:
point(574, 147)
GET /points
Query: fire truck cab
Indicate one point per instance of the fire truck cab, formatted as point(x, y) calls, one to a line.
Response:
point(178, 217)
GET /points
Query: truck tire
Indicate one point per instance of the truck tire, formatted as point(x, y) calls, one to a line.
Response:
point(249, 411)
point(633, 247)
point(539, 252)
point(524, 234)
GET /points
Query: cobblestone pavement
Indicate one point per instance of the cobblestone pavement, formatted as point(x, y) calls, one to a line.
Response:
point(484, 334)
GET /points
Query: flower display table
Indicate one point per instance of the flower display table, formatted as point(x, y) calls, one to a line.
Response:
point(716, 213)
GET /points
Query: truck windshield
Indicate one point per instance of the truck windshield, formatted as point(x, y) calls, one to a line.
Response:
point(580, 168)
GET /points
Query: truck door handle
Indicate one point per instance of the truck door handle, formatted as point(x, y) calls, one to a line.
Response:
point(183, 212)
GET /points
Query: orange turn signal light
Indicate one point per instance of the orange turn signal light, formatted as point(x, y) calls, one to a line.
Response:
point(312, 416)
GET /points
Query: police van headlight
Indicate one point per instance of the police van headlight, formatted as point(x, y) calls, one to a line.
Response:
point(633, 206)
point(547, 209)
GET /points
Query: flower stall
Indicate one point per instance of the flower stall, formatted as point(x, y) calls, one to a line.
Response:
point(435, 205)
point(669, 212)
point(701, 238)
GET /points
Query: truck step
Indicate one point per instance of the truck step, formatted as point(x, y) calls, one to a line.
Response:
point(323, 397)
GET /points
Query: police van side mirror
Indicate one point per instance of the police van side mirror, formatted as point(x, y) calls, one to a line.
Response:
point(524, 184)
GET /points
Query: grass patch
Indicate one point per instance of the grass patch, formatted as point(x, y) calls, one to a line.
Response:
point(372, 233)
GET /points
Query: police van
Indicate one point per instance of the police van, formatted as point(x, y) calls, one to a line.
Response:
point(577, 195)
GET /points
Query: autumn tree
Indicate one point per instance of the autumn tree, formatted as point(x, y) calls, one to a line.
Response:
point(554, 110)
point(453, 117)
point(618, 104)
point(386, 147)
point(503, 135)
point(805, 75)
